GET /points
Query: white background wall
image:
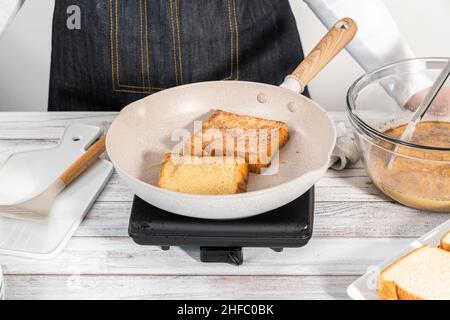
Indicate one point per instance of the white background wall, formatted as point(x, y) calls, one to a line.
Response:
point(25, 50)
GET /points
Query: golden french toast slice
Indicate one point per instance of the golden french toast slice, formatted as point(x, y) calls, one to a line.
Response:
point(256, 140)
point(203, 175)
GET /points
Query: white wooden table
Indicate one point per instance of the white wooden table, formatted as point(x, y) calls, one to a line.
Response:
point(355, 227)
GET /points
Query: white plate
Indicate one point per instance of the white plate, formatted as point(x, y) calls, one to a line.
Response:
point(365, 287)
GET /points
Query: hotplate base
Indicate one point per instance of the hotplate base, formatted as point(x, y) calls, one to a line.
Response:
point(223, 240)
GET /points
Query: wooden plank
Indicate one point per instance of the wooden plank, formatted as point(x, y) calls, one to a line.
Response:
point(121, 256)
point(332, 219)
point(373, 219)
point(176, 287)
point(350, 194)
point(333, 178)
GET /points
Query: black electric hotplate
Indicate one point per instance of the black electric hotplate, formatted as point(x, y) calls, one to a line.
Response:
point(223, 240)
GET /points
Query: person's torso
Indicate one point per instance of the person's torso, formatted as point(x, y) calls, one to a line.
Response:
point(126, 49)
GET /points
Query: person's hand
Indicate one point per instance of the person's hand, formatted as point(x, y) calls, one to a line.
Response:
point(440, 105)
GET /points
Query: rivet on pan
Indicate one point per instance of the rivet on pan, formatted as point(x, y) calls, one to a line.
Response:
point(293, 106)
point(262, 98)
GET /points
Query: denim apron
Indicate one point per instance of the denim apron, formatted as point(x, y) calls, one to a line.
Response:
point(124, 50)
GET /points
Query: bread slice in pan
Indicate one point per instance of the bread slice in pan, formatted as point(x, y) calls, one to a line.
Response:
point(207, 175)
point(423, 274)
point(445, 242)
point(255, 139)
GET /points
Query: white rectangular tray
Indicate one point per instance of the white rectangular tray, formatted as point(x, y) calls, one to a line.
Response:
point(27, 173)
point(365, 287)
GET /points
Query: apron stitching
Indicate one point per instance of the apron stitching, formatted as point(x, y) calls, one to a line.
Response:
point(234, 39)
point(117, 41)
point(141, 30)
point(176, 42)
point(147, 90)
point(147, 43)
point(115, 56)
point(180, 57)
point(231, 41)
point(237, 40)
point(174, 46)
point(111, 44)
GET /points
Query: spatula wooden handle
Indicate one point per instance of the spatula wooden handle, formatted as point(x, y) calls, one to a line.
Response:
point(331, 44)
point(83, 162)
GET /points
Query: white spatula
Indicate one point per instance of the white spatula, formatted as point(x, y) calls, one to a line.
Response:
point(39, 207)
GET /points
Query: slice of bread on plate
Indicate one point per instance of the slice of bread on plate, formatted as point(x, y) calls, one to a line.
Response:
point(203, 175)
point(255, 139)
point(445, 242)
point(423, 274)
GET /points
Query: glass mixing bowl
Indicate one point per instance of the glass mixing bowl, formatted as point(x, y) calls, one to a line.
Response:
point(415, 172)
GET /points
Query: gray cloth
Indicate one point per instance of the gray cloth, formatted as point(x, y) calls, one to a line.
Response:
point(345, 152)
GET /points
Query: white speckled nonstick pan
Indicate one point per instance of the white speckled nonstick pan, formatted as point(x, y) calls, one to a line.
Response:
point(141, 134)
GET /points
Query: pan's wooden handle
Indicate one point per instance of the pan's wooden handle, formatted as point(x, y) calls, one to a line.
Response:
point(331, 44)
point(83, 162)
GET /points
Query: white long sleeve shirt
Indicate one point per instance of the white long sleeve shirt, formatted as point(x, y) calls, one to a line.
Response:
point(378, 41)
point(8, 10)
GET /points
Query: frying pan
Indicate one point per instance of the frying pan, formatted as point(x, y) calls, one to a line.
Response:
point(142, 133)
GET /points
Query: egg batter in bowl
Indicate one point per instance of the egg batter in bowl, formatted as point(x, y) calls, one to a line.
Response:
point(416, 177)
point(380, 104)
